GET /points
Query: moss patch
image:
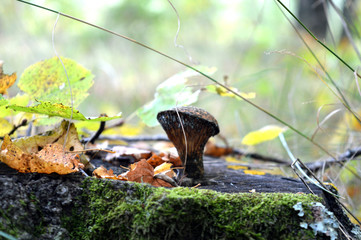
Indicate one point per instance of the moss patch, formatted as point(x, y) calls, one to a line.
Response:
point(138, 211)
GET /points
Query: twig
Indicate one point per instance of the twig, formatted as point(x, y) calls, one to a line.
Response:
point(23, 123)
point(97, 134)
point(260, 157)
point(344, 157)
point(132, 139)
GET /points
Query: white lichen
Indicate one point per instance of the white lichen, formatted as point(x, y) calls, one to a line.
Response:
point(324, 220)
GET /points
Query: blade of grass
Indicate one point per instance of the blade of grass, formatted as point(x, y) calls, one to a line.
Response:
point(316, 39)
point(198, 71)
point(343, 100)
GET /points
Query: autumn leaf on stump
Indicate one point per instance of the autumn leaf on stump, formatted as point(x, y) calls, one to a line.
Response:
point(102, 172)
point(143, 172)
point(50, 159)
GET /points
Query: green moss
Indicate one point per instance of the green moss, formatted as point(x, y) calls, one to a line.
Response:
point(138, 211)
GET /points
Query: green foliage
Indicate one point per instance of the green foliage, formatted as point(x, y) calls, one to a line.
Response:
point(58, 110)
point(47, 81)
point(175, 91)
point(3, 101)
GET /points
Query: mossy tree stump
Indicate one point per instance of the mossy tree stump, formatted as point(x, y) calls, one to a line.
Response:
point(39, 206)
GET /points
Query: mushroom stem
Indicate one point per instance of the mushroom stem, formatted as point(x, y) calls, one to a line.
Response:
point(198, 126)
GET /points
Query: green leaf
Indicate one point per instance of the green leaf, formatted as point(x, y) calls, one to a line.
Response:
point(58, 110)
point(46, 81)
point(3, 101)
point(264, 134)
point(19, 99)
point(174, 91)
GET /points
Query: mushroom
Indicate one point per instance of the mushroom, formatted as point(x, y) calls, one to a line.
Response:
point(198, 126)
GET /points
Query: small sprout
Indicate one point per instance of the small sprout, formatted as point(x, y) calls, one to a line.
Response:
point(198, 126)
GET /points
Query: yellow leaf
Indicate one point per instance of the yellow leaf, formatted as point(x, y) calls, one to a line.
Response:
point(236, 167)
point(225, 93)
point(254, 172)
point(264, 134)
point(232, 160)
point(163, 168)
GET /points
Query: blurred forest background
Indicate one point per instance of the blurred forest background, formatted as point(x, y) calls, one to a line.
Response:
point(251, 43)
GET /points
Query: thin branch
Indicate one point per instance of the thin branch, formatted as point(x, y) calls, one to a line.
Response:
point(23, 123)
point(260, 157)
point(97, 134)
point(350, 154)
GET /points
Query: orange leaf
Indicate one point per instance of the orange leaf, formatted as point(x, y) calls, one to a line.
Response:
point(155, 160)
point(50, 159)
point(215, 151)
point(142, 173)
point(102, 172)
point(171, 158)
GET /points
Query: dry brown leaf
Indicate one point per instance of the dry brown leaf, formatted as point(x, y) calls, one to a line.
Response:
point(155, 160)
point(36, 143)
point(102, 172)
point(143, 172)
point(213, 150)
point(50, 159)
point(171, 158)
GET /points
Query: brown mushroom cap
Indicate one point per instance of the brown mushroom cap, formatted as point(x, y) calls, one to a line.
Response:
point(199, 126)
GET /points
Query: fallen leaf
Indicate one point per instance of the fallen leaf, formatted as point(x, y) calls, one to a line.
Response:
point(143, 172)
point(254, 172)
point(50, 159)
point(213, 150)
point(163, 168)
point(36, 143)
point(155, 160)
point(264, 134)
point(172, 158)
point(102, 172)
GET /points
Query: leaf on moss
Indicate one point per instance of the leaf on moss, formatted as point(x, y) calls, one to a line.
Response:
point(221, 91)
point(58, 110)
point(46, 81)
point(264, 134)
point(6, 81)
point(48, 160)
point(176, 90)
